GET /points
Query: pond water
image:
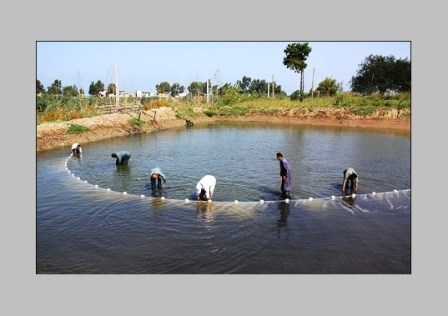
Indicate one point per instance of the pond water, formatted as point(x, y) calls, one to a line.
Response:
point(94, 217)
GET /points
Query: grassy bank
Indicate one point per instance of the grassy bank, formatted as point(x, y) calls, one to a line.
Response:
point(358, 105)
point(63, 110)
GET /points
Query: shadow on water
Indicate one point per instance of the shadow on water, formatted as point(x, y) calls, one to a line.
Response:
point(268, 193)
point(156, 192)
point(349, 200)
point(336, 186)
point(124, 169)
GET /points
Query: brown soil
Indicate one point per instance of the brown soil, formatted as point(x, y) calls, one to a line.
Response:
point(54, 135)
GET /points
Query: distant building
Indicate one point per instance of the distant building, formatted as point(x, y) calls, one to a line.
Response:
point(163, 95)
point(125, 94)
point(141, 94)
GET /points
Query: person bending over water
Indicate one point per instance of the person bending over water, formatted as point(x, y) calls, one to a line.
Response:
point(205, 188)
point(122, 157)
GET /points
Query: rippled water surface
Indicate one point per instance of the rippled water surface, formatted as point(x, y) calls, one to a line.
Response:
point(82, 227)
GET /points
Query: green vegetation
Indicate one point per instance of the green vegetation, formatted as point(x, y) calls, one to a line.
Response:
point(366, 105)
point(73, 129)
point(135, 121)
point(53, 108)
point(380, 74)
point(357, 104)
point(233, 104)
point(210, 112)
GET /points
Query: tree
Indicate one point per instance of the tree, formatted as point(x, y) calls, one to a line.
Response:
point(255, 86)
point(39, 87)
point(163, 87)
point(70, 91)
point(96, 88)
point(244, 84)
point(55, 87)
point(296, 55)
point(401, 76)
point(278, 91)
point(380, 74)
point(259, 86)
point(176, 89)
point(196, 88)
point(111, 89)
point(329, 87)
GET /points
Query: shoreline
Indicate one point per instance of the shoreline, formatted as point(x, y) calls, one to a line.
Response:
point(54, 135)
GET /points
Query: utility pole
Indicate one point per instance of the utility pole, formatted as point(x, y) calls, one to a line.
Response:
point(273, 87)
point(312, 85)
point(268, 89)
point(207, 91)
point(117, 91)
point(79, 82)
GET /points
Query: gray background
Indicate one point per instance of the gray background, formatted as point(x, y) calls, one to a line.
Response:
point(23, 291)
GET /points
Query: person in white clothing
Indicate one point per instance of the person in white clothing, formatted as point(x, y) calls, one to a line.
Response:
point(350, 180)
point(76, 149)
point(205, 188)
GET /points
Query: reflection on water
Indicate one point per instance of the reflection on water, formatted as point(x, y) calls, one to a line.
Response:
point(283, 208)
point(282, 222)
point(205, 212)
point(84, 228)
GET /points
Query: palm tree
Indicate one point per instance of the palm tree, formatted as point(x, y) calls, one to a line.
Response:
point(296, 55)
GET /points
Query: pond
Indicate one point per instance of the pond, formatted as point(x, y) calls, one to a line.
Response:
point(94, 217)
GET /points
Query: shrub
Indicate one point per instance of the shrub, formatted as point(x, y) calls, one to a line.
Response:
point(135, 121)
point(209, 112)
point(74, 128)
point(229, 96)
point(296, 95)
point(184, 111)
point(156, 103)
point(235, 110)
point(53, 114)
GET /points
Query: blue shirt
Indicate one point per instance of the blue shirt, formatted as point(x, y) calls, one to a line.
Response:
point(123, 157)
point(285, 170)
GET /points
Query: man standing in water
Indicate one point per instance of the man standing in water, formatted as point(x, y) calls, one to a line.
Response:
point(285, 173)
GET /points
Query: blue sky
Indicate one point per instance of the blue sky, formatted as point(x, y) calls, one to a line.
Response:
point(143, 65)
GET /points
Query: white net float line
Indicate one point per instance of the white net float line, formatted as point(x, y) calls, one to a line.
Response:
point(261, 201)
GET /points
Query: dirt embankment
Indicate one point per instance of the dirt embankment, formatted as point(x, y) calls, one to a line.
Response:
point(54, 135)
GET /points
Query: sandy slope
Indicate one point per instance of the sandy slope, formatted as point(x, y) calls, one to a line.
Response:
point(54, 135)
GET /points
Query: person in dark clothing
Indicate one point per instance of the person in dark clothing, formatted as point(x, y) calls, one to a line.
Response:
point(157, 176)
point(285, 173)
point(122, 157)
